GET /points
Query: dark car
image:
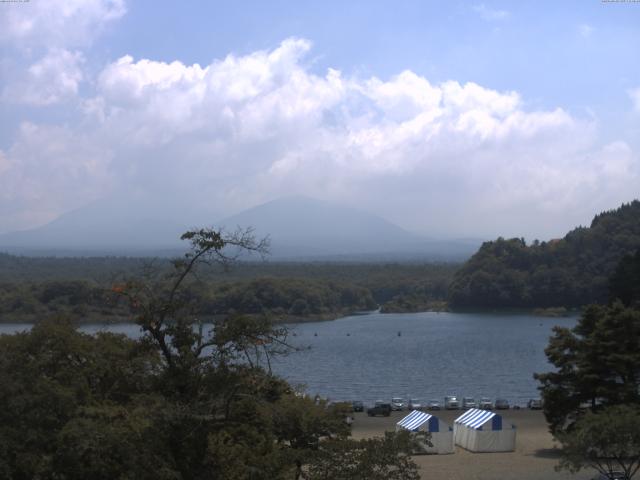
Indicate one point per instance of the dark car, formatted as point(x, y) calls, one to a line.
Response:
point(358, 406)
point(502, 404)
point(616, 475)
point(380, 408)
point(534, 404)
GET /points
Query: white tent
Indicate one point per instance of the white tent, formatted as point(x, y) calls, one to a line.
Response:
point(483, 431)
point(441, 433)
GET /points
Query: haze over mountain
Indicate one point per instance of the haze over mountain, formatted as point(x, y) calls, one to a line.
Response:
point(129, 225)
point(299, 227)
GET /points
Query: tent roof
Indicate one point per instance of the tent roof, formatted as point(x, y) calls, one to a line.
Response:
point(474, 418)
point(414, 420)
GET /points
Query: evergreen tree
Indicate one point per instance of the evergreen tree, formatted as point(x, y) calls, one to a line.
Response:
point(597, 365)
point(625, 281)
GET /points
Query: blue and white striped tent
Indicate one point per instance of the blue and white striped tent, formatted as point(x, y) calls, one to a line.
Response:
point(441, 433)
point(483, 431)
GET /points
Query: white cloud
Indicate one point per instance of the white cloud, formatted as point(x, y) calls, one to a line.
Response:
point(58, 23)
point(49, 170)
point(43, 42)
point(404, 96)
point(248, 97)
point(490, 14)
point(445, 157)
point(52, 79)
point(634, 94)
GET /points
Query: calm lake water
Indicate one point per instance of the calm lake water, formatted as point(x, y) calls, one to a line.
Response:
point(436, 354)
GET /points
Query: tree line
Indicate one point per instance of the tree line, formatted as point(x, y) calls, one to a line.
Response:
point(285, 292)
point(570, 272)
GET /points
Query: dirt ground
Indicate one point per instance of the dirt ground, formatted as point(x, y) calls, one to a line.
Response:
point(534, 459)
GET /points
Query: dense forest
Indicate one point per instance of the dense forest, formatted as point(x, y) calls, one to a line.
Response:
point(180, 402)
point(625, 281)
point(33, 288)
point(569, 272)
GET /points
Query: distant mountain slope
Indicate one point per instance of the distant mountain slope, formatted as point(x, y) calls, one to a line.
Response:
point(571, 271)
point(313, 226)
point(306, 228)
point(120, 225)
point(300, 228)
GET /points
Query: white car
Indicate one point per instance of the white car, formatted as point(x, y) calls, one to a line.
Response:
point(397, 403)
point(534, 404)
point(451, 402)
point(468, 402)
point(485, 404)
point(415, 404)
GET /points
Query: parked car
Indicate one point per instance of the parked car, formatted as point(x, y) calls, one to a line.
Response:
point(358, 406)
point(415, 404)
point(397, 404)
point(534, 404)
point(451, 402)
point(380, 408)
point(468, 402)
point(434, 405)
point(611, 476)
point(502, 404)
point(485, 404)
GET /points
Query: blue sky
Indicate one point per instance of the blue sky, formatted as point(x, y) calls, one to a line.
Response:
point(465, 118)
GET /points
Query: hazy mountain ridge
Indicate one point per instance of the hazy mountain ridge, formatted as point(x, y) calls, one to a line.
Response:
point(112, 225)
point(299, 228)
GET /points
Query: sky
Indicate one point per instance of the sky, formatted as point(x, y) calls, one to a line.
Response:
point(450, 119)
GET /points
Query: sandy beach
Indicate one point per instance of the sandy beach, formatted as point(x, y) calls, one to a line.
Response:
point(534, 459)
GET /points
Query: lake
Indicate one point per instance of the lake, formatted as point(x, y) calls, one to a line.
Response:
point(436, 354)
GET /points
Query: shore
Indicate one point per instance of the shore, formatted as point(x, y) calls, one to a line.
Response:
point(535, 456)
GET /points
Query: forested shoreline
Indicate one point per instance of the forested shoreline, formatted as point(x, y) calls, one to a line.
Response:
point(570, 272)
point(35, 288)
